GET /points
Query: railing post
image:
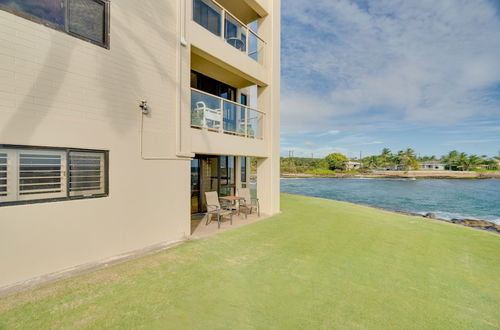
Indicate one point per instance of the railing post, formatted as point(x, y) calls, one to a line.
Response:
point(248, 42)
point(221, 128)
point(223, 24)
point(246, 122)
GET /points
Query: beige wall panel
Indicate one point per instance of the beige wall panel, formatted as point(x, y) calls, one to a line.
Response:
point(213, 143)
point(57, 90)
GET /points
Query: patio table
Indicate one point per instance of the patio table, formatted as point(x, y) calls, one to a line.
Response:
point(233, 199)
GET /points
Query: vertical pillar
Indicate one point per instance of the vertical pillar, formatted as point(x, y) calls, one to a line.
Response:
point(268, 169)
point(237, 165)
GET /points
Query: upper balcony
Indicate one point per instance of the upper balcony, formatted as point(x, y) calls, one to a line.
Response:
point(225, 116)
point(219, 35)
point(223, 127)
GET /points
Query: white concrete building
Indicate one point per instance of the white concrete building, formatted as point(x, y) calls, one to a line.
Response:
point(116, 116)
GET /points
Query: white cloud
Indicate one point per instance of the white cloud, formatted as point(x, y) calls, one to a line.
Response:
point(428, 62)
point(330, 132)
point(310, 145)
point(471, 141)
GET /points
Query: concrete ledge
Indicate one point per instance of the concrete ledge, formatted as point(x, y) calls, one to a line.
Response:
point(83, 269)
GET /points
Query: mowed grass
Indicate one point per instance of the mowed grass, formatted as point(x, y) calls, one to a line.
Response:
point(319, 265)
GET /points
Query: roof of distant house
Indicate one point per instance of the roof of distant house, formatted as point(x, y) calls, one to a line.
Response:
point(431, 162)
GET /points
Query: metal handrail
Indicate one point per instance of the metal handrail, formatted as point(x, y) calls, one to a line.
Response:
point(221, 129)
point(238, 20)
point(226, 100)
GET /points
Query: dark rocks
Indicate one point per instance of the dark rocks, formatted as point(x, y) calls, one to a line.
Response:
point(481, 224)
point(431, 215)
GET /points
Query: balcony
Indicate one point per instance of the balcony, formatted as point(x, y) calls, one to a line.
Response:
point(223, 116)
point(216, 19)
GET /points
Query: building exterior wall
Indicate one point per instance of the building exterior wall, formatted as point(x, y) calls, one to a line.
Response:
point(432, 166)
point(60, 91)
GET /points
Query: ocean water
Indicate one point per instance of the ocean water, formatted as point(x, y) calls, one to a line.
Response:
point(460, 199)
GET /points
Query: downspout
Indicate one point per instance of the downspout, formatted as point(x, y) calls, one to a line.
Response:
point(183, 43)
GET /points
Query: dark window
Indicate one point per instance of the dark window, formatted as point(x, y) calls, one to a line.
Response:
point(244, 99)
point(243, 167)
point(208, 15)
point(3, 174)
point(195, 185)
point(87, 19)
point(212, 86)
point(52, 11)
point(227, 175)
point(86, 173)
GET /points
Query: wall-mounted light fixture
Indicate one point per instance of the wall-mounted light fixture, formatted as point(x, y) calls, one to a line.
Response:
point(145, 108)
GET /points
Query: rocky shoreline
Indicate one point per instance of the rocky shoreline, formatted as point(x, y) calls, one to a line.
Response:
point(479, 224)
point(472, 223)
point(402, 175)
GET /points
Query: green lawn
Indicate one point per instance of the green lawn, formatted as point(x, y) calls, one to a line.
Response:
point(319, 265)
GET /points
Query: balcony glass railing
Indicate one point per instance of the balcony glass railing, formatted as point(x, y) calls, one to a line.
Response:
point(224, 116)
point(212, 16)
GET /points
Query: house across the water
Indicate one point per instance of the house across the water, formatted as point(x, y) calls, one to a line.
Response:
point(432, 165)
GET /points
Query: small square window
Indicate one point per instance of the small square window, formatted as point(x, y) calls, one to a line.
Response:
point(87, 19)
point(86, 173)
point(51, 11)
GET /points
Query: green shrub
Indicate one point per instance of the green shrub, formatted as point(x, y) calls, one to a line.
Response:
point(320, 171)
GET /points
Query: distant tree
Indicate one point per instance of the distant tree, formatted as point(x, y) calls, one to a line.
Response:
point(386, 157)
point(491, 164)
point(450, 159)
point(406, 159)
point(336, 161)
point(372, 162)
point(427, 158)
point(466, 162)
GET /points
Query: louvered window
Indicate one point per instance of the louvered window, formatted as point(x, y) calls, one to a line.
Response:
point(42, 174)
point(3, 176)
point(28, 174)
point(86, 173)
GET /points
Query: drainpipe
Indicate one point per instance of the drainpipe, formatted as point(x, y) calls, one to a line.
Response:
point(181, 155)
point(183, 44)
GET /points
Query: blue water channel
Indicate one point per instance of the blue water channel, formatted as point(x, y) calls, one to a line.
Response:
point(448, 199)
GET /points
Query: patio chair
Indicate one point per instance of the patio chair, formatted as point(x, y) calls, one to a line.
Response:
point(214, 115)
point(214, 207)
point(249, 203)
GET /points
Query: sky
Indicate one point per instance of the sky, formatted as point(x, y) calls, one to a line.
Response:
point(362, 75)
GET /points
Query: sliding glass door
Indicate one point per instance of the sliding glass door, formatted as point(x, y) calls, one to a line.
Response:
point(211, 173)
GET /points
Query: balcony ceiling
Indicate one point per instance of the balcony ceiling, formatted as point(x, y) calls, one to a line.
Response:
point(202, 65)
point(246, 11)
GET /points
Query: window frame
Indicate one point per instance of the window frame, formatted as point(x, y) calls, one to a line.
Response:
point(67, 151)
point(65, 28)
point(214, 7)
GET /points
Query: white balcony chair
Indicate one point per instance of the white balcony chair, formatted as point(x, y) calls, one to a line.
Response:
point(249, 203)
point(213, 207)
point(207, 113)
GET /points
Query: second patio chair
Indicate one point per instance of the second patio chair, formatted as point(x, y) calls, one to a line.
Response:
point(214, 207)
point(248, 203)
